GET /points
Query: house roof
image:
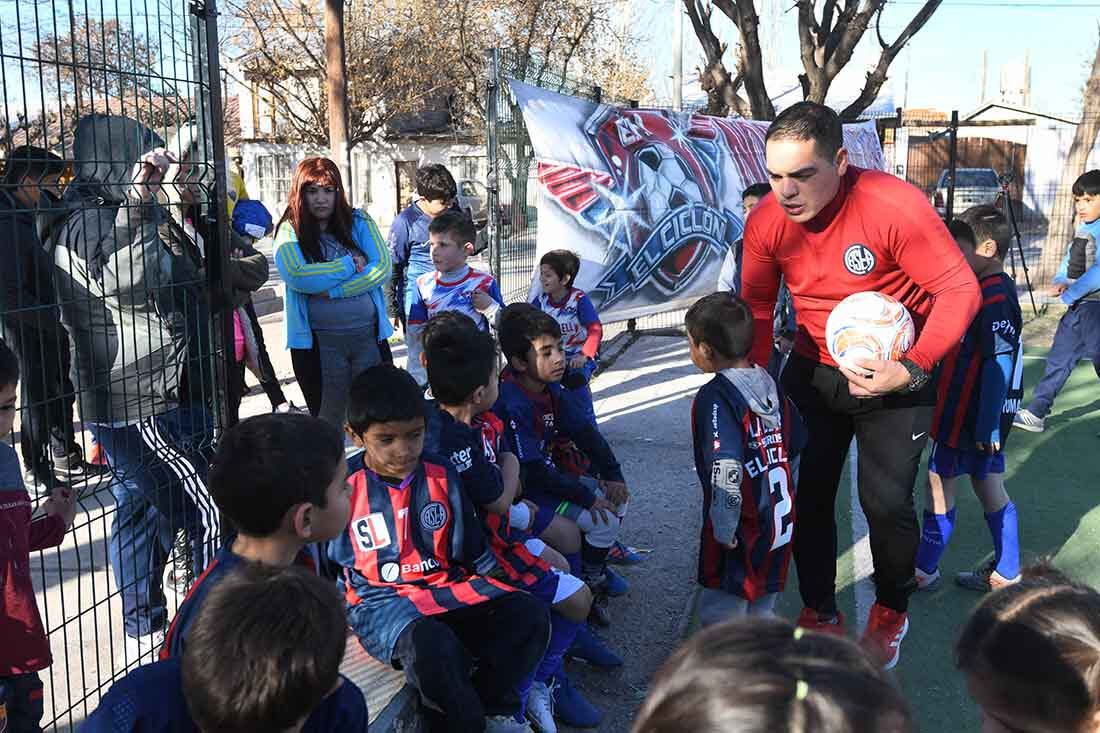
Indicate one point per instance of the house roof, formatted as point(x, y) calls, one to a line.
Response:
point(1018, 110)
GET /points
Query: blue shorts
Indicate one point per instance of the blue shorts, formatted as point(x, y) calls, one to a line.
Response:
point(948, 462)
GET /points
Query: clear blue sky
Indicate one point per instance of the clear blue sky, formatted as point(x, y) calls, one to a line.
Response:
point(943, 59)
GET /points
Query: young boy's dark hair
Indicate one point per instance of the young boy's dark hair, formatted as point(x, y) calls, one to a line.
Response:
point(762, 674)
point(383, 393)
point(962, 232)
point(267, 464)
point(454, 222)
point(264, 651)
point(435, 183)
point(1087, 184)
point(520, 325)
point(722, 321)
point(809, 121)
point(564, 263)
point(460, 361)
point(444, 322)
point(989, 222)
point(9, 366)
point(759, 190)
point(30, 161)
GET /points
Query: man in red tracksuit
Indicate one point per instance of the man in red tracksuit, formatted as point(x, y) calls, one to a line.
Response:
point(831, 230)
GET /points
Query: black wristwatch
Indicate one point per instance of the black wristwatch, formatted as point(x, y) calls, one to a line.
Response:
point(917, 376)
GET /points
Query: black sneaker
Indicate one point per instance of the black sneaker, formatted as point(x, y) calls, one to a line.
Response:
point(182, 575)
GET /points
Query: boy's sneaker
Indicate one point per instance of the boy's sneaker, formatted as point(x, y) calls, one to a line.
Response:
point(985, 579)
point(621, 554)
point(139, 650)
point(540, 708)
point(615, 584)
point(587, 647)
point(1027, 420)
point(181, 576)
point(570, 707)
point(505, 724)
point(811, 620)
point(927, 581)
point(882, 637)
point(599, 614)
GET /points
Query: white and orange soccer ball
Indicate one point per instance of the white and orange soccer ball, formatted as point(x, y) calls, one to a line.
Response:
point(868, 325)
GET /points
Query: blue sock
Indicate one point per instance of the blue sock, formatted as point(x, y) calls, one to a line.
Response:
point(934, 536)
point(574, 560)
point(1006, 540)
point(562, 633)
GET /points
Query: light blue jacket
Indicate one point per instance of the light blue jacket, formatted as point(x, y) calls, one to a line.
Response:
point(1086, 287)
point(338, 278)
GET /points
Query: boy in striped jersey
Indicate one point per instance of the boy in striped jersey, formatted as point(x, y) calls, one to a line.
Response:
point(979, 390)
point(420, 575)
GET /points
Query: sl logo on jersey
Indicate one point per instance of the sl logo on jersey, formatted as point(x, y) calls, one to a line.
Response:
point(371, 531)
point(433, 516)
point(858, 259)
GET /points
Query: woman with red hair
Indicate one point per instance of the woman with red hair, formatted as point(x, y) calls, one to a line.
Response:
point(335, 265)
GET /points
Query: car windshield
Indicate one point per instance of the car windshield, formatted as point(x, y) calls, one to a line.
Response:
point(972, 178)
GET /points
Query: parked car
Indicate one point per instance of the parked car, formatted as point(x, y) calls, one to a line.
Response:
point(473, 199)
point(973, 186)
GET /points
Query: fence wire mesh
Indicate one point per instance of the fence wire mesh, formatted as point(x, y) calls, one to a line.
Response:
point(112, 259)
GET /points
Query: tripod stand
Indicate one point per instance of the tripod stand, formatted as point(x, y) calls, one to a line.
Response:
point(1005, 179)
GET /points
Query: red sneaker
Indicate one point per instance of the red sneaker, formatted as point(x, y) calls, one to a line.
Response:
point(882, 637)
point(813, 621)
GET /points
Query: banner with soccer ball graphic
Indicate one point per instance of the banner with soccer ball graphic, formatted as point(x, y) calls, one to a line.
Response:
point(650, 200)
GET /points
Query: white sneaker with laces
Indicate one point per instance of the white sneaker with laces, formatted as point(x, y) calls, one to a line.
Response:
point(540, 708)
point(927, 581)
point(1027, 420)
point(139, 650)
point(505, 724)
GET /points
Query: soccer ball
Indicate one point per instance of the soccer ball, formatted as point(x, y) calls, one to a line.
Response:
point(868, 326)
point(665, 182)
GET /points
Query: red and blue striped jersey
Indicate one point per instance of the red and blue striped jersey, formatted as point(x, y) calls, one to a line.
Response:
point(412, 549)
point(980, 381)
point(433, 295)
point(724, 427)
point(577, 317)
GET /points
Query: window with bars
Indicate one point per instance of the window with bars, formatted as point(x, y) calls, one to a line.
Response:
point(468, 166)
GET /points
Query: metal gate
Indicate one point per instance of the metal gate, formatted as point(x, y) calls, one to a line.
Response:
point(114, 301)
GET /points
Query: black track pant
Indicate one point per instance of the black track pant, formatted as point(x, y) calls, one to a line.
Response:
point(890, 434)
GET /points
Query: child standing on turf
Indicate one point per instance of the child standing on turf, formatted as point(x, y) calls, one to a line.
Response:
point(25, 650)
point(1030, 653)
point(422, 590)
point(748, 438)
point(1077, 284)
point(281, 480)
point(979, 391)
point(581, 329)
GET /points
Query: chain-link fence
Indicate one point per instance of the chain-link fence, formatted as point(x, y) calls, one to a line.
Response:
point(111, 264)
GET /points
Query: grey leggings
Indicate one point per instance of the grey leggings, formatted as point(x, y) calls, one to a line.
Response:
point(344, 355)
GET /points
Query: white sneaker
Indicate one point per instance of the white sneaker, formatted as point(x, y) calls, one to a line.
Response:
point(540, 708)
point(139, 650)
point(1027, 420)
point(505, 724)
point(927, 581)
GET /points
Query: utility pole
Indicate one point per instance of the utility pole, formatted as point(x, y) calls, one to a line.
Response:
point(337, 80)
point(678, 58)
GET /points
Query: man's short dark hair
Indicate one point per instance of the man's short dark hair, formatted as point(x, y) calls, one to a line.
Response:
point(435, 183)
point(759, 190)
point(9, 366)
point(989, 222)
point(268, 464)
point(459, 361)
point(564, 263)
point(809, 121)
point(520, 325)
point(454, 222)
point(384, 393)
point(30, 161)
point(723, 322)
point(1087, 184)
point(264, 651)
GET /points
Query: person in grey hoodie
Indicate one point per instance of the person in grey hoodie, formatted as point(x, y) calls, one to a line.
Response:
point(747, 438)
point(135, 308)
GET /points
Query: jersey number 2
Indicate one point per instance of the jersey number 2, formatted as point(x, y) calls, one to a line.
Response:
point(781, 496)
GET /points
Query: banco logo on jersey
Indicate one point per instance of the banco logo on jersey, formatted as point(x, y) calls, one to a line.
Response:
point(391, 571)
point(371, 531)
point(858, 259)
point(433, 516)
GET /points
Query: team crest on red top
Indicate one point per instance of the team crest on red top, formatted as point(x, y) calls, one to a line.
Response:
point(433, 516)
point(858, 259)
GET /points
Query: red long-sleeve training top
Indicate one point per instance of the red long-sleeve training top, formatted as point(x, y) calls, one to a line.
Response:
point(879, 233)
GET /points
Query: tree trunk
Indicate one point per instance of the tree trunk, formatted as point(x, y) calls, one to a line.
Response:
point(1061, 228)
point(337, 80)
